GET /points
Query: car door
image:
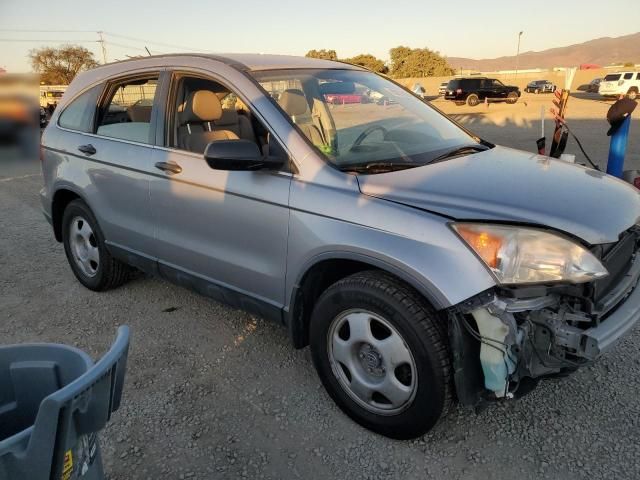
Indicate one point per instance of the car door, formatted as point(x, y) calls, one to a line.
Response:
point(498, 90)
point(485, 88)
point(223, 233)
point(117, 161)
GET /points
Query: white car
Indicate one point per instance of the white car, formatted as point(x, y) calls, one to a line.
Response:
point(442, 88)
point(620, 83)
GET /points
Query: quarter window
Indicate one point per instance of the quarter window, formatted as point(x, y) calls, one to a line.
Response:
point(79, 113)
point(127, 112)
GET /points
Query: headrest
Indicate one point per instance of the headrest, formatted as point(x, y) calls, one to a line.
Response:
point(202, 106)
point(293, 102)
point(228, 117)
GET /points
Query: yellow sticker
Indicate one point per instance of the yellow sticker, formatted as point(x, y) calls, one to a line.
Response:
point(67, 468)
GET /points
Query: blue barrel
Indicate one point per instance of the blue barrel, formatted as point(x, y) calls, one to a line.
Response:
point(618, 148)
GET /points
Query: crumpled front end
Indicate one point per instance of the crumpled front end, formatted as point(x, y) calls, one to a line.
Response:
point(505, 339)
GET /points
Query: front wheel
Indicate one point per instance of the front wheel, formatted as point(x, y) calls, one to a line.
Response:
point(512, 98)
point(381, 352)
point(90, 261)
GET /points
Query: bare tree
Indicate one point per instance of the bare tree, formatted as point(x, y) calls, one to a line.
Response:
point(58, 66)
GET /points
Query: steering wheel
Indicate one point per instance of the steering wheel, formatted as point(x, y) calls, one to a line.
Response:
point(366, 133)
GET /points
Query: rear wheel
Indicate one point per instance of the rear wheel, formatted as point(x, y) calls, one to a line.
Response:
point(382, 354)
point(512, 97)
point(473, 100)
point(536, 91)
point(90, 261)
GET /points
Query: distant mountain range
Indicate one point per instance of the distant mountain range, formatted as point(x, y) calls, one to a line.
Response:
point(601, 51)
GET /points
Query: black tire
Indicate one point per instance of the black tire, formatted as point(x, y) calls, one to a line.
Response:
point(512, 98)
point(536, 91)
point(110, 273)
point(423, 332)
point(473, 100)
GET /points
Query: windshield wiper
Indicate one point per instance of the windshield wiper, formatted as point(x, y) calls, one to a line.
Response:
point(385, 166)
point(458, 151)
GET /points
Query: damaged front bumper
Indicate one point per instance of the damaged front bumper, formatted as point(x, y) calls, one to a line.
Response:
point(502, 339)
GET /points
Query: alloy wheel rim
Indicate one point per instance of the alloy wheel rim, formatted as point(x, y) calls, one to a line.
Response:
point(372, 362)
point(84, 246)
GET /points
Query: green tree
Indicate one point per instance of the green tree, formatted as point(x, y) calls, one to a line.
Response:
point(322, 54)
point(58, 66)
point(418, 62)
point(367, 60)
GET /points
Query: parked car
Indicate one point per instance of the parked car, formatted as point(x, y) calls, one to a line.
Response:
point(594, 85)
point(43, 117)
point(420, 262)
point(419, 90)
point(476, 89)
point(621, 83)
point(50, 95)
point(343, 98)
point(442, 88)
point(540, 86)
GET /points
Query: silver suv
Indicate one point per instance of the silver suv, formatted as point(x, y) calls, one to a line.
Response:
point(419, 262)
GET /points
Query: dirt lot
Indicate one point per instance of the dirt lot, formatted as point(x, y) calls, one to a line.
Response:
point(215, 393)
point(518, 125)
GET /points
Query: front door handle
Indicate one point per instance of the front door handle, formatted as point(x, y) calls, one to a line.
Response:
point(87, 149)
point(169, 167)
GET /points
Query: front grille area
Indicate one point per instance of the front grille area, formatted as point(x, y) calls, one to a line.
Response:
point(617, 261)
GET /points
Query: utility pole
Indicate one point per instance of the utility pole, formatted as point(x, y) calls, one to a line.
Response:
point(518, 53)
point(104, 49)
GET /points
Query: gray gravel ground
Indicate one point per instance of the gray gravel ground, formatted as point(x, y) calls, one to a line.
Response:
point(212, 392)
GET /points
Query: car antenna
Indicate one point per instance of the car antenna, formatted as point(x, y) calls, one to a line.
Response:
point(147, 50)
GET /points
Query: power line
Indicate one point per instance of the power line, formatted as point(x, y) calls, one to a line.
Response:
point(58, 40)
point(150, 42)
point(123, 45)
point(99, 32)
point(21, 30)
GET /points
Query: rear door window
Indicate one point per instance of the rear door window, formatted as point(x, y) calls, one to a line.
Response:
point(78, 115)
point(612, 77)
point(628, 76)
point(126, 113)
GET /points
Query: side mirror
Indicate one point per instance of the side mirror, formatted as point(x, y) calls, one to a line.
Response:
point(238, 155)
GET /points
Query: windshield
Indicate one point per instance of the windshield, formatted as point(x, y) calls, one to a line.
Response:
point(359, 118)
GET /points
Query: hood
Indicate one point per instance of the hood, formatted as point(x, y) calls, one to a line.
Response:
point(506, 185)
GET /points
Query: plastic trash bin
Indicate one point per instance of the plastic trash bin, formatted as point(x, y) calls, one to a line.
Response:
point(53, 402)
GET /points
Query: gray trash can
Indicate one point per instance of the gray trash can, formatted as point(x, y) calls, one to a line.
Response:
point(53, 402)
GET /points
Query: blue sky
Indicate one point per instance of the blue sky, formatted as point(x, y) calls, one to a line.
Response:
point(469, 28)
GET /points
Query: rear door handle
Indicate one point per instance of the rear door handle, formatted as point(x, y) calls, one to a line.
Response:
point(87, 149)
point(169, 167)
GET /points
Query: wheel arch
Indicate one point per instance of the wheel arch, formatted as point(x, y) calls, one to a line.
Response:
point(324, 270)
point(61, 198)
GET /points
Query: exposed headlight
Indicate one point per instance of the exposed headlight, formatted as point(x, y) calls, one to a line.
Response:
point(527, 255)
